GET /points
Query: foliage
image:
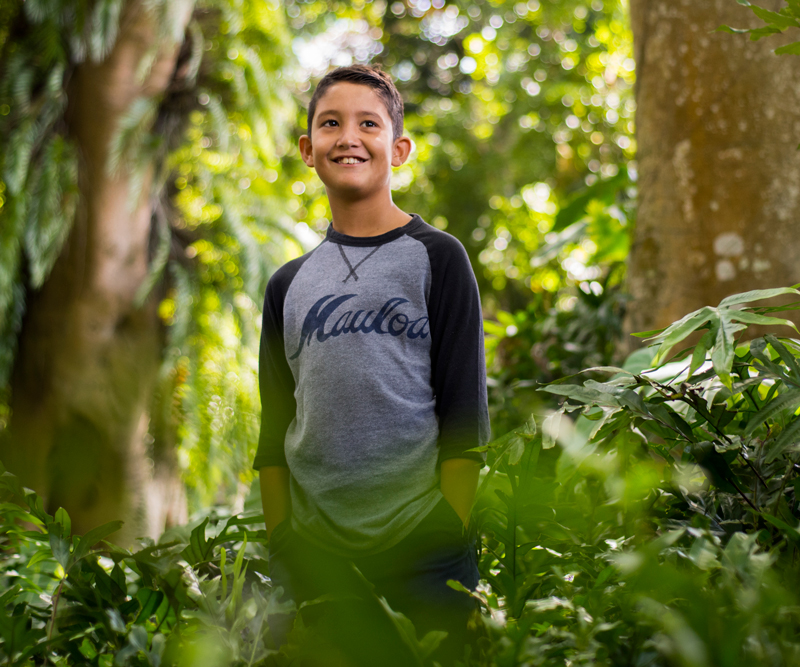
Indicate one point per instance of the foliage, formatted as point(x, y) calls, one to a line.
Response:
point(522, 158)
point(78, 600)
point(774, 23)
point(215, 139)
point(652, 520)
point(665, 532)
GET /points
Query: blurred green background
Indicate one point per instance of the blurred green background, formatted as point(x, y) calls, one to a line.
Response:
point(150, 183)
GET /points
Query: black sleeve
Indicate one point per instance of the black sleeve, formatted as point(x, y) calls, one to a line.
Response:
point(275, 379)
point(458, 363)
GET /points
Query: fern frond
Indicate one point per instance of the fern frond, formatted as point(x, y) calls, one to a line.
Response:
point(127, 140)
point(52, 212)
point(159, 259)
point(18, 156)
point(196, 59)
point(105, 28)
point(219, 123)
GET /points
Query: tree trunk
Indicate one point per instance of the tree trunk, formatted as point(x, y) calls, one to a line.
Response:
point(719, 170)
point(87, 364)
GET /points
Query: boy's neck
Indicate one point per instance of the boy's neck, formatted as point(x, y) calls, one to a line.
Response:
point(368, 217)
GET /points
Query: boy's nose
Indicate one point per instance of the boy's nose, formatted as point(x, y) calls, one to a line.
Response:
point(348, 137)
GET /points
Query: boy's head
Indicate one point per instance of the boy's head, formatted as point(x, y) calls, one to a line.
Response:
point(363, 75)
point(355, 133)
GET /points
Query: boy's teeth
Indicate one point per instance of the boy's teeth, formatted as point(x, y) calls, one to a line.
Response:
point(349, 160)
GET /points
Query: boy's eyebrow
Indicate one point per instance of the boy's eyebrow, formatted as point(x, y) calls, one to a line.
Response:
point(334, 112)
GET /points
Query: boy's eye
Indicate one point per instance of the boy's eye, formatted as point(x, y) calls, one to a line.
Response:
point(329, 123)
point(370, 123)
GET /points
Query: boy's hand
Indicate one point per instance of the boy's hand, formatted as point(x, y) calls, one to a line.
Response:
point(459, 483)
point(275, 495)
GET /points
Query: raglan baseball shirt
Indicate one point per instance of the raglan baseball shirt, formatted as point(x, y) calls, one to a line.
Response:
point(371, 373)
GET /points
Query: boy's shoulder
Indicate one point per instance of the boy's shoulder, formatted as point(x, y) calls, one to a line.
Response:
point(280, 280)
point(443, 248)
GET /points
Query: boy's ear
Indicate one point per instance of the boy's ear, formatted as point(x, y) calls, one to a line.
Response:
point(305, 150)
point(400, 151)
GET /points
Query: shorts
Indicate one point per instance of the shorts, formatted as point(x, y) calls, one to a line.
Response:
point(411, 576)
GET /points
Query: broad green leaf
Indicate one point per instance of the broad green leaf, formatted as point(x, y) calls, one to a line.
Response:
point(788, 437)
point(37, 558)
point(63, 518)
point(724, 347)
point(735, 31)
point(681, 329)
point(700, 353)
point(583, 394)
point(786, 357)
point(756, 295)
point(787, 400)
point(647, 334)
point(516, 450)
point(60, 547)
point(766, 31)
point(93, 537)
point(780, 21)
point(754, 318)
point(604, 190)
point(550, 429)
point(199, 548)
point(790, 532)
point(626, 397)
point(792, 49)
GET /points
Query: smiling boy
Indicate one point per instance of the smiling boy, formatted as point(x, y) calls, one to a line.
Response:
point(372, 378)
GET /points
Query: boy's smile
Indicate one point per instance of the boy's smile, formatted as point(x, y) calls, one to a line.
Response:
point(351, 143)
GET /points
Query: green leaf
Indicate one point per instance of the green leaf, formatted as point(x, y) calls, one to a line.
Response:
point(766, 31)
point(792, 533)
point(792, 49)
point(93, 537)
point(700, 353)
point(582, 394)
point(786, 439)
point(749, 317)
point(60, 547)
point(724, 347)
point(714, 466)
point(793, 8)
point(787, 400)
point(603, 190)
point(199, 548)
point(780, 21)
point(756, 295)
point(681, 329)
point(515, 450)
point(647, 334)
point(786, 357)
point(63, 518)
point(735, 31)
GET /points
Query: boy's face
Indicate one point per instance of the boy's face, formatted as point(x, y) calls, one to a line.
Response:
point(351, 143)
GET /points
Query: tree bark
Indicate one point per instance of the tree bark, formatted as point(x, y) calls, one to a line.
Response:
point(86, 368)
point(719, 171)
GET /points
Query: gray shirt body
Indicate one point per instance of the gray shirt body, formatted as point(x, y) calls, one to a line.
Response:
point(355, 396)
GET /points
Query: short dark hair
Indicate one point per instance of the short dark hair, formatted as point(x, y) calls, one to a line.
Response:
point(365, 75)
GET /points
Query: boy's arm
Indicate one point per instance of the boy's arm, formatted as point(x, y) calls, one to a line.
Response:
point(275, 495)
point(278, 406)
point(459, 482)
point(458, 367)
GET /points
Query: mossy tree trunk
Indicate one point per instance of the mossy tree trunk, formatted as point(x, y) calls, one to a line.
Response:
point(86, 369)
point(719, 170)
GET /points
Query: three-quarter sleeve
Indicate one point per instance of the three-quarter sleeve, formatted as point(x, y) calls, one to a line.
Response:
point(275, 379)
point(458, 367)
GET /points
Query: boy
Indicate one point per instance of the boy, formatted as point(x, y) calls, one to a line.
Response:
point(372, 379)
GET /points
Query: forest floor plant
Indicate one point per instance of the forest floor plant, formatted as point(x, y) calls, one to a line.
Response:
point(651, 520)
